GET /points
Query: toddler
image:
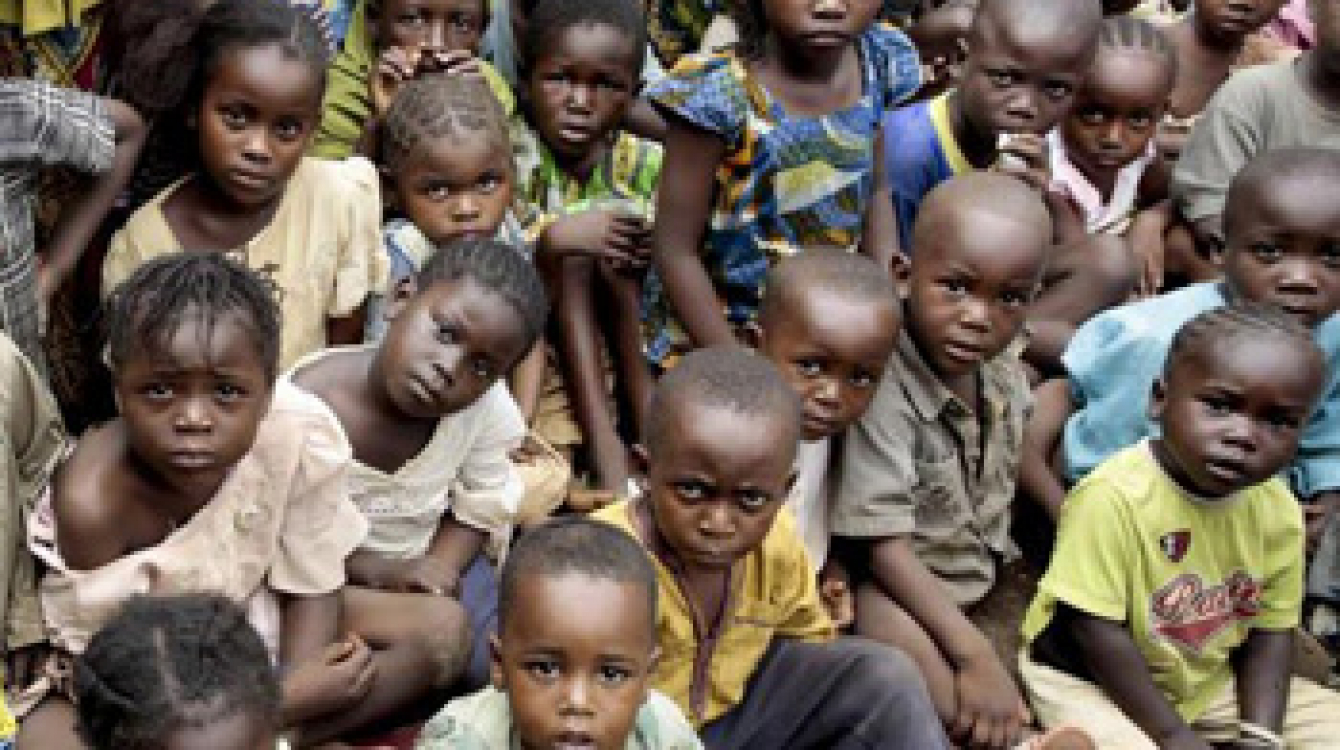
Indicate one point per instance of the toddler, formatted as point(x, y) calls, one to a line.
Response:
point(565, 675)
point(309, 226)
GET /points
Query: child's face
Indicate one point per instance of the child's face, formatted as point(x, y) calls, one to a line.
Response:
point(579, 88)
point(445, 346)
point(1283, 247)
point(1232, 415)
point(1117, 110)
point(717, 480)
point(431, 25)
point(818, 27)
point(575, 676)
point(1020, 85)
point(832, 349)
point(236, 731)
point(967, 295)
point(1234, 19)
point(191, 410)
point(457, 187)
point(256, 116)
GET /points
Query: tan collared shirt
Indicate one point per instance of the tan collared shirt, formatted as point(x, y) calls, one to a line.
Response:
point(919, 465)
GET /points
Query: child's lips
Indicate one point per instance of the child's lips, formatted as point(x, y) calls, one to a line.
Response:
point(574, 741)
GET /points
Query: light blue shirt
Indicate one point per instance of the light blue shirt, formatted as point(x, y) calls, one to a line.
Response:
point(1116, 356)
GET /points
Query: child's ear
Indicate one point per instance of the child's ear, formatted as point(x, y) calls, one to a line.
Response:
point(753, 335)
point(401, 294)
point(1158, 399)
point(495, 662)
point(900, 270)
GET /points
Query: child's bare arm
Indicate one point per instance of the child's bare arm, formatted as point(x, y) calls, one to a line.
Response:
point(684, 204)
point(880, 234)
point(1145, 238)
point(321, 674)
point(1120, 670)
point(1042, 435)
point(348, 329)
point(1261, 666)
point(527, 378)
point(989, 707)
point(644, 121)
point(438, 571)
point(80, 220)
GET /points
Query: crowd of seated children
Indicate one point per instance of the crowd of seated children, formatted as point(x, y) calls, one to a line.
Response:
point(803, 294)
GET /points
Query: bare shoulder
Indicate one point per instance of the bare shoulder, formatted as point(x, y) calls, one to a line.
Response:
point(90, 500)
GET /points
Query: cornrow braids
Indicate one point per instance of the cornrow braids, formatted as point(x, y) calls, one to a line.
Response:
point(1240, 321)
point(498, 268)
point(1128, 33)
point(165, 663)
point(574, 544)
point(727, 377)
point(150, 305)
point(437, 106)
point(549, 18)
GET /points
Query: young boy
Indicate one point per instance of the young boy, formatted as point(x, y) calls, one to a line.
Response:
point(1166, 617)
point(928, 473)
point(747, 650)
point(588, 187)
point(564, 675)
point(829, 321)
point(1285, 104)
point(45, 126)
point(1282, 231)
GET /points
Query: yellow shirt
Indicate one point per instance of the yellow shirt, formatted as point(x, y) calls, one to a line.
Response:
point(1190, 578)
point(772, 595)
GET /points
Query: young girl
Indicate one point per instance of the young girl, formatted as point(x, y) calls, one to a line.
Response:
point(177, 672)
point(771, 148)
point(212, 479)
point(311, 227)
point(1103, 157)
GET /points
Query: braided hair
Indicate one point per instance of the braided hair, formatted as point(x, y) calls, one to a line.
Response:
point(1237, 323)
point(1137, 34)
point(165, 663)
point(440, 105)
point(150, 305)
point(498, 268)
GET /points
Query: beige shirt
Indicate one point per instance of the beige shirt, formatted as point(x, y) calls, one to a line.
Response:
point(918, 465)
point(281, 522)
point(321, 250)
point(811, 497)
point(32, 441)
point(464, 468)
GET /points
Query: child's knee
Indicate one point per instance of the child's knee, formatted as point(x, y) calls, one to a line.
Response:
point(443, 637)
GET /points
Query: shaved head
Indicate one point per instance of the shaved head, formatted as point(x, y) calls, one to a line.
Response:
point(1027, 22)
point(956, 206)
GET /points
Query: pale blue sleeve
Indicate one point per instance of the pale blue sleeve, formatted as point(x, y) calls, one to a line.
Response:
point(1317, 468)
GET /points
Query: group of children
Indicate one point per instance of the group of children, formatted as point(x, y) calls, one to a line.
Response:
point(742, 376)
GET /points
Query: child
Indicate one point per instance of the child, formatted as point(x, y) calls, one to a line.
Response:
point(431, 423)
point(1281, 105)
point(47, 126)
point(212, 479)
point(1103, 156)
point(565, 675)
point(829, 321)
point(928, 473)
point(391, 42)
point(310, 226)
point(747, 650)
point(1166, 616)
point(771, 149)
point(940, 33)
point(184, 671)
point(588, 186)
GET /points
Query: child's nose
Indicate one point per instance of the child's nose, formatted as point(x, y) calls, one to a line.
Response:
point(580, 96)
point(577, 696)
point(256, 147)
point(193, 415)
point(829, 8)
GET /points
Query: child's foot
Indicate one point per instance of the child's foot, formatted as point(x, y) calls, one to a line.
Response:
point(1060, 738)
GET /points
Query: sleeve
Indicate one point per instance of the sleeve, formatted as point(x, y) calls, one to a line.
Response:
point(501, 91)
point(347, 106)
point(909, 147)
point(1317, 466)
point(1095, 550)
point(454, 727)
point(321, 525)
point(362, 267)
point(487, 491)
point(123, 257)
point(794, 585)
point(897, 64)
point(1223, 140)
point(707, 91)
point(878, 474)
point(54, 126)
point(1285, 556)
point(661, 724)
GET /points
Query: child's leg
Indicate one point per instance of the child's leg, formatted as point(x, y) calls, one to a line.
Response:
point(1060, 699)
point(880, 619)
point(1183, 261)
point(580, 352)
point(633, 374)
point(1082, 279)
point(1312, 718)
point(848, 694)
point(50, 726)
point(420, 643)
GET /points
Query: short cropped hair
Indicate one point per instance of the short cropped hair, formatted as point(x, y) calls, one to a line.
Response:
point(1272, 168)
point(825, 269)
point(549, 18)
point(497, 267)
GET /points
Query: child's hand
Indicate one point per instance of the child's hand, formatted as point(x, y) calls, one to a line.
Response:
point(612, 235)
point(334, 681)
point(835, 591)
point(1024, 155)
point(453, 62)
point(424, 575)
point(1147, 246)
point(991, 713)
point(395, 66)
point(528, 452)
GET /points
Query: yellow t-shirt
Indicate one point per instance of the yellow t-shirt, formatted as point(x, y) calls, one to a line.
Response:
point(1189, 577)
point(772, 595)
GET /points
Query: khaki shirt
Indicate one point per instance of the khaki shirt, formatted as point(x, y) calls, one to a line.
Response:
point(32, 441)
point(917, 465)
